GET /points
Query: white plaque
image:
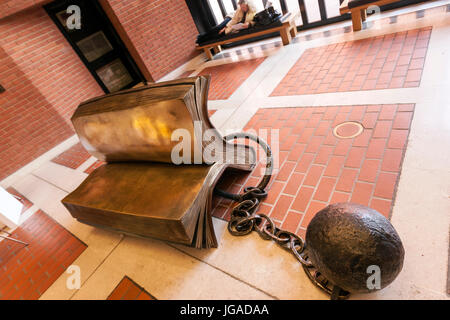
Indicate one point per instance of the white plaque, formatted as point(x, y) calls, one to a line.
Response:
point(10, 209)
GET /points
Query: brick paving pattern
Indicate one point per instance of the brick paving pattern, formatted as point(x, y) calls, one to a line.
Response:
point(73, 157)
point(226, 78)
point(95, 165)
point(384, 62)
point(316, 168)
point(127, 289)
point(26, 272)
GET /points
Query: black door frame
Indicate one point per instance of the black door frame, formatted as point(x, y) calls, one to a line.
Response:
point(50, 9)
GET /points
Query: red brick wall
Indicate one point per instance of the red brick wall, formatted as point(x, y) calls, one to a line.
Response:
point(44, 81)
point(9, 7)
point(162, 31)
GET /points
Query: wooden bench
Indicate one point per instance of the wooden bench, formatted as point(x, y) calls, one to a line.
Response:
point(359, 10)
point(287, 30)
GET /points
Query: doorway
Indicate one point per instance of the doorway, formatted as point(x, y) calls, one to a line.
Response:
point(96, 42)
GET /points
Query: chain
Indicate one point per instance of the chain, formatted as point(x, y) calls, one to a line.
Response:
point(245, 220)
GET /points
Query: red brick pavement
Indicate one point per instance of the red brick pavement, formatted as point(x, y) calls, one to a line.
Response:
point(226, 78)
point(127, 289)
point(95, 165)
point(73, 157)
point(383, 62)
point(316, 168)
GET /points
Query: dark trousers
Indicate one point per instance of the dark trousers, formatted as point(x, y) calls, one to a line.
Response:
point(214, 32)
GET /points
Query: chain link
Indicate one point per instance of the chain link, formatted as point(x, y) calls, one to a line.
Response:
point(244, 220)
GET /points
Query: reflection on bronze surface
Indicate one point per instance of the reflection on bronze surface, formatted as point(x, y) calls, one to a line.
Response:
point(140, 132)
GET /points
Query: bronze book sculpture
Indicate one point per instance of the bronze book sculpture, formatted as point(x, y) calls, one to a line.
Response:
point(141, 191)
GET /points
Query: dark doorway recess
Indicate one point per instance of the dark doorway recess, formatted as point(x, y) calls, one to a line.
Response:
point(201, 14)
point(97, 44)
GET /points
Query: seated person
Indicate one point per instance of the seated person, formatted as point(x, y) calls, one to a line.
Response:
point(242, 19)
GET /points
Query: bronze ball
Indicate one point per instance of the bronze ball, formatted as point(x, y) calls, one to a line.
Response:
point(347, 242)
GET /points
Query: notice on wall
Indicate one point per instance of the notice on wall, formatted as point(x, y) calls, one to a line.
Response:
point(94, 46)
point(114, 75)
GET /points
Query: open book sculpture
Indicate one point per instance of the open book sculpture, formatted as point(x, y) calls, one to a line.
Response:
point(142, 190)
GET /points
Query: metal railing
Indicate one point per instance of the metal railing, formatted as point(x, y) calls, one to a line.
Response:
point(313, 13)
